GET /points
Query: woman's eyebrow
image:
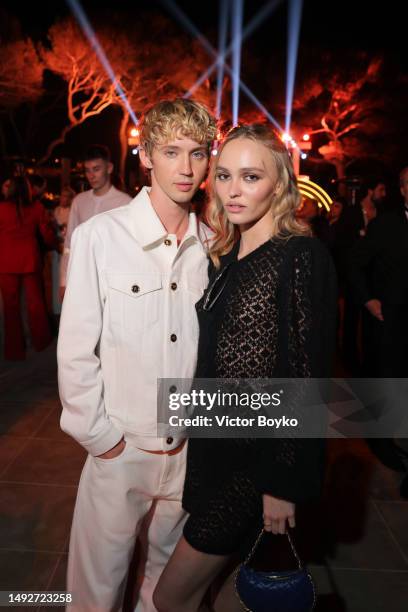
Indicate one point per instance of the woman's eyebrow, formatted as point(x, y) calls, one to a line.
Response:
point(253, 168)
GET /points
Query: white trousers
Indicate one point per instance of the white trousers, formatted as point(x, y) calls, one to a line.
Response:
point(114, 496)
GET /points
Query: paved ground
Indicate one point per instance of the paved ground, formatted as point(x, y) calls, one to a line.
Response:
point(358, 535)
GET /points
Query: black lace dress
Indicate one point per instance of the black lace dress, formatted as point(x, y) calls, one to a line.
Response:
point(275, 317)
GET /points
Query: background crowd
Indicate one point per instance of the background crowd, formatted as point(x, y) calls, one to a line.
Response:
point(366, 234)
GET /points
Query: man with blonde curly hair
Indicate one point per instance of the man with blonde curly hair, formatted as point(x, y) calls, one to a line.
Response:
point(129, 318)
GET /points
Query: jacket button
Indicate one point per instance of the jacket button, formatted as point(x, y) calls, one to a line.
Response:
point(169, 440)
point(135, 288)
point(173, 389)
point(173, 337)
point(167, 242)
point(173, 286)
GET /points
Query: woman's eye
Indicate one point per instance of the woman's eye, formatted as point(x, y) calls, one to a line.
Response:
point(251, 178)
point(221, 177)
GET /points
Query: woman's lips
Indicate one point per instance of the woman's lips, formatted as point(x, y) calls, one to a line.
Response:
point(234, 208)
point(184, 186)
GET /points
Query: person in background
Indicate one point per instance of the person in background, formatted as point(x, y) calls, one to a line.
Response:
point(62, 211)
point(334, 216)
point(60, 219)
point(351, 228)
point(38, 188)
point(22, 221)
point(336, 210)
point(307, 211)
point(378, 277)
point(311, 215)
point(101, 197)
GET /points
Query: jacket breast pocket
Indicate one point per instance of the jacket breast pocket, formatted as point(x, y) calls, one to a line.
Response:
point(134, 300)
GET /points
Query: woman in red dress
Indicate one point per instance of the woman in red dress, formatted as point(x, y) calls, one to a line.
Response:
point(21, 223)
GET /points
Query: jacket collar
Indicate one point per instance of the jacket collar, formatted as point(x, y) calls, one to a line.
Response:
point(147, 227)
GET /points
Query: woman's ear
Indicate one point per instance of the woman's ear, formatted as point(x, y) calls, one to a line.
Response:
point(277, 189)
point(145, 159)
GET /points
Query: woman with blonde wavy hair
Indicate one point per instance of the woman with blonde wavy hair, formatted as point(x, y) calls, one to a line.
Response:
point(269, 312)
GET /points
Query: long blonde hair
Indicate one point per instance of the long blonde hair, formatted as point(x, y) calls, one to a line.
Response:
point(283, 204)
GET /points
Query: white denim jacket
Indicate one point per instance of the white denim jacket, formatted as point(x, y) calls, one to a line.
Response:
point(128, 318)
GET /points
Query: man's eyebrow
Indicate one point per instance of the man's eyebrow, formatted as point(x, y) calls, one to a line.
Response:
point(171, 146)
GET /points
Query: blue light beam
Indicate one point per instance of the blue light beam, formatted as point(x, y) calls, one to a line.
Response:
point(193, 30)
point(236, 23)
point(294, 21)
point(89, 32)
point(222, 41)
point(268, 8)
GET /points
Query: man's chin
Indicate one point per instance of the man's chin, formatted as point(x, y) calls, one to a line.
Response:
point(183, 197)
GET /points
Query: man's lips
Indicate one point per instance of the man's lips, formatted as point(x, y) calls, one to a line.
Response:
point(184, 186)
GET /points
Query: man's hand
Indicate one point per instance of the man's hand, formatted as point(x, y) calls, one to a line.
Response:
point(115, 451)
point(374, 307)
point(276, 512)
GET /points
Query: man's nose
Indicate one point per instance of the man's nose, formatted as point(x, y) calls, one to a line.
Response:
point(186, 167)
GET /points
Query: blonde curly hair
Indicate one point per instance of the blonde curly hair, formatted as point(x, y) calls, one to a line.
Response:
point(284, 202)
point(179, 117)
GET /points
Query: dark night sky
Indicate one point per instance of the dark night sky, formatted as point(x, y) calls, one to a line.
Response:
point(348, 23)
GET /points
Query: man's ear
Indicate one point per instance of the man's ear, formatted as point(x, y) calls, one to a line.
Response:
point(145, 159)
point(110, 168)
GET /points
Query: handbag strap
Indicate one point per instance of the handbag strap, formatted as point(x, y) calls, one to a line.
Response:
point(258, 539)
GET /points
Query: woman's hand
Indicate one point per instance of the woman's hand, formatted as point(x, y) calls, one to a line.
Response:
point(276, 512)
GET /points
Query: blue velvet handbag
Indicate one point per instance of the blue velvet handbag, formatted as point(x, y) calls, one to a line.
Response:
point(287, 591)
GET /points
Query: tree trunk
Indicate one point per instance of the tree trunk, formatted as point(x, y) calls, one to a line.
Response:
point(123, 136)
point(17, 134)
point(65, 172)
point(57, 141)
point(3, 147)
point(341, 174)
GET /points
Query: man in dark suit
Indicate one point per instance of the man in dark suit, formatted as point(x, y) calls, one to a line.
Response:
point(379, 279)
point(351, 228)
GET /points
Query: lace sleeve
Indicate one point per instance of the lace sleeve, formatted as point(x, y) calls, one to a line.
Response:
point(292, 468)
point(312, 313)
point(300, 316)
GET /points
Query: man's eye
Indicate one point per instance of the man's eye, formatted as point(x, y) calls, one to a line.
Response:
point(221, 176)
point(199, 155)
point(170, 153)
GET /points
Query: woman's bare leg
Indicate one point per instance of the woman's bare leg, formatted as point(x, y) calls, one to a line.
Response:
point(186, 578)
